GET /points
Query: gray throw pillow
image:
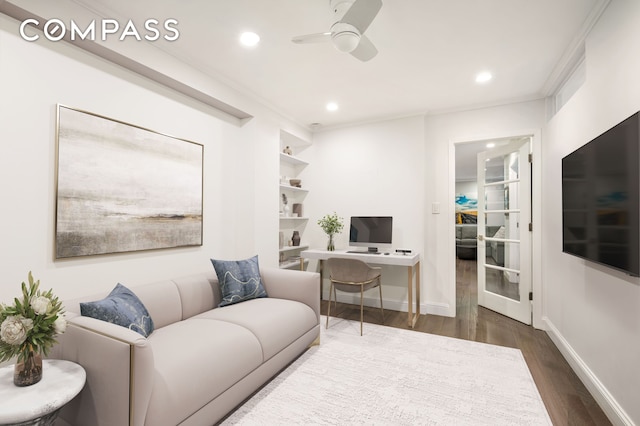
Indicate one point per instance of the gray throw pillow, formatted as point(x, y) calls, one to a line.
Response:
point(239, 280)
point(121, 307)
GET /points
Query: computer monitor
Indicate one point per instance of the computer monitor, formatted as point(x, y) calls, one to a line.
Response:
point(371, 232)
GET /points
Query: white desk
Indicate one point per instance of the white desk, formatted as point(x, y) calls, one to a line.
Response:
point(411, 261)
point(39, 404)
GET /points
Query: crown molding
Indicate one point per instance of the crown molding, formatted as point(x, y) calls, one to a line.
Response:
point(574, 53)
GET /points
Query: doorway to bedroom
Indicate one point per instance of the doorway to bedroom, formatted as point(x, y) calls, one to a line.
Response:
point(492, 226)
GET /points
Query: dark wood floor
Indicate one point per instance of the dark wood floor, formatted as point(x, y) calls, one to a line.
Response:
point(567, 400)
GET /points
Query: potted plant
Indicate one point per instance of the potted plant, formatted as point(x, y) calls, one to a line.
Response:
point(331, 224)
point(28, 329)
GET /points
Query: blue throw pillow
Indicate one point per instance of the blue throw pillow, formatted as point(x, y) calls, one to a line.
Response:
point(121, 307)
point(239, 280)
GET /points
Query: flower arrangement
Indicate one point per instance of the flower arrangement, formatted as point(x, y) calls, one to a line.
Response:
point(31, 324)
point(331, 224)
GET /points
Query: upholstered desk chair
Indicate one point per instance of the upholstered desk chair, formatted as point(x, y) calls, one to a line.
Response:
point(352, 276)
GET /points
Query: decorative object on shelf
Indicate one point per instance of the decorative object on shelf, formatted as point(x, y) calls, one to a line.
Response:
point(284, 180)
point(295, 239)
point(296, 183)
point(28, 329)
point(285, 206)
point(287, 150)
point(281, 240)
point(331, 224)
point(297, 209)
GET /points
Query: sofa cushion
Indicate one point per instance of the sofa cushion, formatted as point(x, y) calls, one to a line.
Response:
point(198, 293)
point(275, 322)
point(121, 307)
point(239, 280)
point(468, 231)
point(195, 361)
point(162, 300)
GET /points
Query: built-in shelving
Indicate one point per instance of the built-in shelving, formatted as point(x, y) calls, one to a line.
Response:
point(284, 187)
point(287, 249)
point(291, 159)
point(292, 166)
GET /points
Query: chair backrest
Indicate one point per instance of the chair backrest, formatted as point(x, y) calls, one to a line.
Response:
point(351, 270)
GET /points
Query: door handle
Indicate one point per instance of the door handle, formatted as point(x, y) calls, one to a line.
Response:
point(480, 237)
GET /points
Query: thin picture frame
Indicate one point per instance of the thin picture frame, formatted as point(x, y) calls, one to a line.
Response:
point(124, 188)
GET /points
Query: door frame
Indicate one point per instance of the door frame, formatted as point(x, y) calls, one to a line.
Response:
point(536, 216)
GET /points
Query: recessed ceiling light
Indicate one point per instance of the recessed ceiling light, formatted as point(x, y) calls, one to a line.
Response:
point(491, 145)
point(249, 39)
point(332, 106)
point(483, 77)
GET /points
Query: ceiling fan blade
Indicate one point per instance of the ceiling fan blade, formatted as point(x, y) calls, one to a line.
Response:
point(365, 50)
point(312, 38)
point(361, 14)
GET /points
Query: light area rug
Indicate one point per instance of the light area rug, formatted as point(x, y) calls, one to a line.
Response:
point(397, 377)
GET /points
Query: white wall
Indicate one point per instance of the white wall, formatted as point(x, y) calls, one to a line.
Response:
point(593, 312)
point(240, 168)
point(377, 170)
point(441, 133)
point(401, 167)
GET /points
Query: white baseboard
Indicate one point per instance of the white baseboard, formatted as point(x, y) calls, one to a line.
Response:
point(607, 402)
point(442, 309)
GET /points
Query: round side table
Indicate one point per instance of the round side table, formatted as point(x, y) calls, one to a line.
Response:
point(39, 404)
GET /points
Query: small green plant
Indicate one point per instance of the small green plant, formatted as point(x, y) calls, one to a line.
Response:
point(331, 224)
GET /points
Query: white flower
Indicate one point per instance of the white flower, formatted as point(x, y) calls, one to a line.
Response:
point(14, 329)
point(40, 305)
point(60, 325)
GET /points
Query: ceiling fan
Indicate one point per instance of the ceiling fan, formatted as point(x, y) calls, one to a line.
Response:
point(350, 19)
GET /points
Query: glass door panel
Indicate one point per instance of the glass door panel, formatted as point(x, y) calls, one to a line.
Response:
point(504, 260)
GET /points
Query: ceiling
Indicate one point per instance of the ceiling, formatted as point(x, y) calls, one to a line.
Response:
point(429, 52)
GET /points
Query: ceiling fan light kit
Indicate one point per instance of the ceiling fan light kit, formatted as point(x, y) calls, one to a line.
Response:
point(351, 18)
point(345, 37)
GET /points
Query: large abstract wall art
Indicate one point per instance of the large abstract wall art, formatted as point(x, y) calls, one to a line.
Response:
point(123, 188)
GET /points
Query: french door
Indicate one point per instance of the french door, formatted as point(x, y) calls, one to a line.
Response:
point(504, 237)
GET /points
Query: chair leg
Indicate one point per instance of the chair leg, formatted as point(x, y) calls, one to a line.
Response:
point(329, 305)
point(361, 307)
point(381, 308)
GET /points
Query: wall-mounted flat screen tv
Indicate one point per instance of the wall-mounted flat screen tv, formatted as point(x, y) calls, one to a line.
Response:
point(601, 200)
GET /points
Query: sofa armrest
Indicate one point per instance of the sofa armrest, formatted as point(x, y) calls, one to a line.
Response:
point(120, 370)
point(302, 286)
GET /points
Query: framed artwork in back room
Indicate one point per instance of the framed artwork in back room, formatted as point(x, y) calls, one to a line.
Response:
point(124, 188)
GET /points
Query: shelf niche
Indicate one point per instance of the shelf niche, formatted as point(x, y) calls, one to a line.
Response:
point(292, 166)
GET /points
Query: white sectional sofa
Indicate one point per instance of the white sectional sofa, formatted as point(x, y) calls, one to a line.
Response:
point(200, 362)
